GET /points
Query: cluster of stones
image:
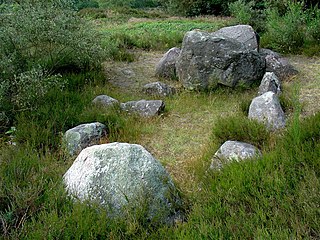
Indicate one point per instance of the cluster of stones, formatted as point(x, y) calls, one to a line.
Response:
point(122, 175)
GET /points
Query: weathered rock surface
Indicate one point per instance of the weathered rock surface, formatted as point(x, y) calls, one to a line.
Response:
point(270, 82)
point(144, 108)
point(82, 136)
point(159, 89)
point(166, 67)
point(277, 64)
point(121, 176)
point(233, 151)
point(267, 109)
point(242, 33)
point(105, 101)
point(207, 59)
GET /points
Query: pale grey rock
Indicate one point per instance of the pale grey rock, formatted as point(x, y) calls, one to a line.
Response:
point(122, 176)
point(270, 82)
point(159, 89)
point(207, 59)
point(166, 68)
point(84, 135)
point(144, 108)
point(233, 151)
point(242, 33)
point(105, 101)
point(267, 109)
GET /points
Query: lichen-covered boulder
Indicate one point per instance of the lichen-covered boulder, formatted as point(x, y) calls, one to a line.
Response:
point(159, 89)
point(105, 101)
point(270, 82)
point(82, 136)
point(267, 109)
point(122, 176)
point(166, 68)
point(233, 151)
point(242, 33)
point(144, 108)
point(207, 59)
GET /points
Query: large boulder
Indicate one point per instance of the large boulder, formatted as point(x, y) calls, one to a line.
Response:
point(166, 68)
point(242, 33)
point(207, 59)
point(144, 108)
point(82, 136)
point(105, 101)
point(159, 89)
point(122, 176)
point(267, 109)
point(233, 151)
point(270, 82)
point(277, 64)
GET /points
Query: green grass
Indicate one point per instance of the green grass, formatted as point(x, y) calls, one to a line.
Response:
point(152, 35)
point(273, 197)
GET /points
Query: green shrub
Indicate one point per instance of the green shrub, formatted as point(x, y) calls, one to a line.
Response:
point(242, 11)
point(286, 33)
point(39, 39)
point(81, 4)
point(240, 128)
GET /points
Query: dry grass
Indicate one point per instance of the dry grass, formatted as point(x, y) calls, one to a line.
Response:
point(309, 79)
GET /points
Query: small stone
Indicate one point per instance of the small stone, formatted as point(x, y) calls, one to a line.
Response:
point(270, 82)
point(233, 151)
point(159, 89)
point(267, 109)
point(105, 101)
point(144, 108)
point(84, 135)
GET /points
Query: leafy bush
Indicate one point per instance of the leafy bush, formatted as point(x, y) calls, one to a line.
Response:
point(286, 33)
point(39, 39)
point(81, 4)
point(242, 11)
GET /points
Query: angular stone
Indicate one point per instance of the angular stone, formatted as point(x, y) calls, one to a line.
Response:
point(166, 68)
point(120, 176)
point(207, 59)
point(267, 109)
point(270, 82)
point(105, 101)
point(159, 89)
point(279, 65)
point(233, 151)
point(84, 135)
point(242, 33)
point(144, 108)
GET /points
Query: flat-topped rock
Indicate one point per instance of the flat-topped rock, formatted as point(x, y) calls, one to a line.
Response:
point(242, 33)
point(144, 108)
